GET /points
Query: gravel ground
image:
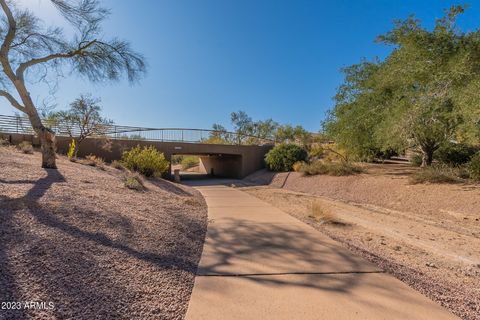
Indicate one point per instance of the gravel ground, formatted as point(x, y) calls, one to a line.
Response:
point(426, 235)
point(79, 239)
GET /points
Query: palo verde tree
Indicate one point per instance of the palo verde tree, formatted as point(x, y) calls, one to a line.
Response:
point(83, 120)
point(31, 52)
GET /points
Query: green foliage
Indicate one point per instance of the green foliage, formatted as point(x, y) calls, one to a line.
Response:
point(147, 160)
point(25, 147)
point(189, 162)
point(72, 150)
point(437, 174)
point(455, 154)
point(416, 97)
point(134, 182)
point(341, 168)
point(473, 167)
point(416, 160)
point(249, 131)
point(283, 156)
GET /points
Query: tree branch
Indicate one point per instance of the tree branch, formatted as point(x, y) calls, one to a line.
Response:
point(23, 66)
point(7, 42)
point(12, 100)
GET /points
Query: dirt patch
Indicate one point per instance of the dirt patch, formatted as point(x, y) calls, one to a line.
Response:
point(426, 235)
point(80, 239)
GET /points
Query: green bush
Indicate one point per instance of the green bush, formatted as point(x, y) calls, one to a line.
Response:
point(437, 174)
point(331, 168)
point(134, 182)
point(283, 156)
point(416, 160)
point(473, 167)
point(189, 162)
point(455, 154)
point(177, 158)
point(147, 160)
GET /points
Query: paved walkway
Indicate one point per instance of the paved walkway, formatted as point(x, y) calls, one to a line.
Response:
point(260, 263)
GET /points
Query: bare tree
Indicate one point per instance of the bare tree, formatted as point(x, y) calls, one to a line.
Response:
point(31, 52)
point(83, 120)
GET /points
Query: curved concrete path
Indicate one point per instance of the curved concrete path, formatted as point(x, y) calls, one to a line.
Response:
point(260, 263)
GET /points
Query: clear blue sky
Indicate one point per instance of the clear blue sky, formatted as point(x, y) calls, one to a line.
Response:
point(273, 59)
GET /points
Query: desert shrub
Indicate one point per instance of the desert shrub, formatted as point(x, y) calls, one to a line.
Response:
point(117, 165)
point(134, 182)
point(283, 156)
point(341, 168)
point(4, 142)
point(177, 158)
point(322, 214)
point(91, 160)
point(416, 160)
point(189, 162)
point(297, 166)
point(455, 154)
point(473, 167)
point(71, 154)
point(25, 147)
point(436, 174)
point(147, 160)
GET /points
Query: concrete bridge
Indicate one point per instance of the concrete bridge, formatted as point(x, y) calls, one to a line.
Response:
point(235, 157)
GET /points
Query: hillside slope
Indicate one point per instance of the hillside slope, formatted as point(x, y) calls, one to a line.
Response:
point(78, 238)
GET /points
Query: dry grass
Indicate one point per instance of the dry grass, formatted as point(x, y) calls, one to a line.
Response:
point(331, 168)
point(4, 142)
point(322, 214)
point(437, 174)
point(93, 161)
point(118, 165)
point(25, 147)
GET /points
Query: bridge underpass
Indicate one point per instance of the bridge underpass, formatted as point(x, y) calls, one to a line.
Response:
point(236, 156)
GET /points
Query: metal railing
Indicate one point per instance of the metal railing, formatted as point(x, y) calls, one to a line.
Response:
point(21, 125)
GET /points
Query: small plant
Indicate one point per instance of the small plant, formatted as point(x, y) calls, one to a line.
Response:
point(134, 182)
point(147, 161)
point(320, 213)
point(416, 160)
point(189, 162)
point(71, 153)
point(283, 156)
point(25, 147)
point(473, 167)
point(437, 174)
point(297, 166)
point(117, 165)
point(4, 142)
point(331, 168)
point(94, 161)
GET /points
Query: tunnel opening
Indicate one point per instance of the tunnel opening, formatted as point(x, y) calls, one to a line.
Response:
point(206, 166)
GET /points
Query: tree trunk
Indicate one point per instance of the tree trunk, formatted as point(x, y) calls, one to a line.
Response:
point(47, 141)
point(427, 156)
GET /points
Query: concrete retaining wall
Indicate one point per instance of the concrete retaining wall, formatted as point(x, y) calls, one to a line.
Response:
point(226, 160)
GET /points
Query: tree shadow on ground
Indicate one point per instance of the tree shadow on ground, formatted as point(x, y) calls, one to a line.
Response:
point(58, 254)
point(283, 256)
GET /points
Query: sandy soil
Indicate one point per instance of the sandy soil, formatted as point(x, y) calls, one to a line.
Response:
point(78, 238)
point(426, 235)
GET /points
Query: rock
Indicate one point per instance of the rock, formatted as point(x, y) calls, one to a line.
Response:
point(431, 265)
